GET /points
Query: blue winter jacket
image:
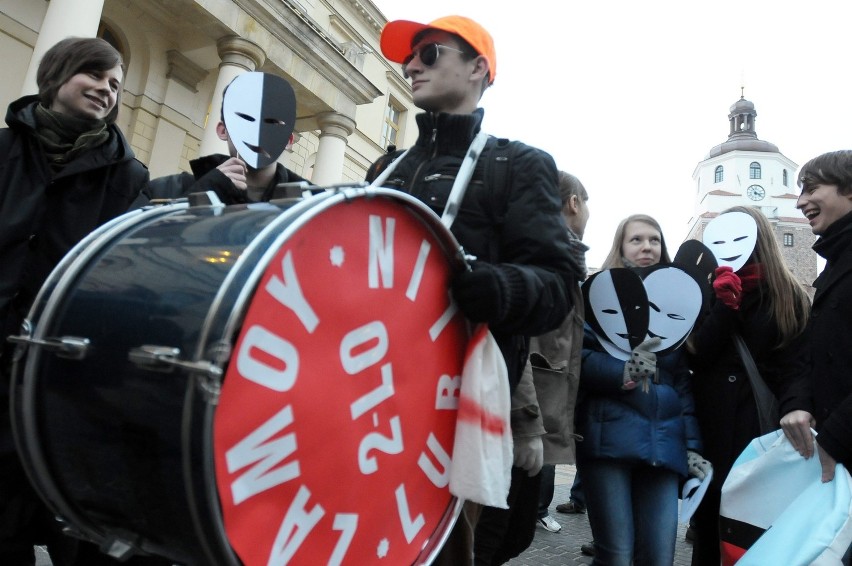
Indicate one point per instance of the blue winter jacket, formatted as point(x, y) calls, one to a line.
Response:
point(655, 428)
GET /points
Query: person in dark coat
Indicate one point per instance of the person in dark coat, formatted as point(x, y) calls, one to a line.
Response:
point(521, 280)
point(768, 307)
point(233, 179)
point(638, 443)
point(826, 201)
point(65, 169)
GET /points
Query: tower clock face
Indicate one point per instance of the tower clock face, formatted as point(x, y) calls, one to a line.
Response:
point(755, 192)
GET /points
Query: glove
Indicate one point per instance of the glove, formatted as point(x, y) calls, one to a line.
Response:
point(696, 465)
point(528, 453)
point(641, 366)
point(479, 293)
point(728, 287)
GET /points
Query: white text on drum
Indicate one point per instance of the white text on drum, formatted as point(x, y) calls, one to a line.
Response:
point(263, 450)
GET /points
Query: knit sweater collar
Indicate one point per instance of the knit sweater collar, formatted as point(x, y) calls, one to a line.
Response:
point(448, 133)
point(835, 239)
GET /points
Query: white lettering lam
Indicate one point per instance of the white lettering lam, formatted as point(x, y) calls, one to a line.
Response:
point(288, 292)
point(295, 528)
point(256, 447)
point(277, 379)
point(381, 253)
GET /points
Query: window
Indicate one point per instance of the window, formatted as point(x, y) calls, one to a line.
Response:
point(788, 240)
point(719, 176)
point(784, 177)
point(106, 33)
point(754, 170)
point(392, 121)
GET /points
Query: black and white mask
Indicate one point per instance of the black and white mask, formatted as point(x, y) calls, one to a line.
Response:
point(616, 310)
point(260, 112)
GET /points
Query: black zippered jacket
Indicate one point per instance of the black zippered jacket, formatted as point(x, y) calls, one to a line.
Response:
point(519, 230)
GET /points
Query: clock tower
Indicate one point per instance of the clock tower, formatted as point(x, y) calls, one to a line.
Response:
point(747, 171)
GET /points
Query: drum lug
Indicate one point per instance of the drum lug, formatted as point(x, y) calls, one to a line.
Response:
point(165, 359)
point(70, 347)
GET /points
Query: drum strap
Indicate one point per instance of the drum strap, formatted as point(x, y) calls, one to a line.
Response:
point(460, 184)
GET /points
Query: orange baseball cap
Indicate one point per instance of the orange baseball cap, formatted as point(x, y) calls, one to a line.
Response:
point(398, 35)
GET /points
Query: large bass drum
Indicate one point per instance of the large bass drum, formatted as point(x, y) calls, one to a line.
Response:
point(263, 384)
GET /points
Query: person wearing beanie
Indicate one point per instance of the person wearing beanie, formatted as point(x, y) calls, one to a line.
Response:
point(521, 280)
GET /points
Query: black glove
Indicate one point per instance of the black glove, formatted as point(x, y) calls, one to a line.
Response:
point(479, 293)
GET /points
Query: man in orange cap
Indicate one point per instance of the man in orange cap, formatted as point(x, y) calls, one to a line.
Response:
point(519, 283)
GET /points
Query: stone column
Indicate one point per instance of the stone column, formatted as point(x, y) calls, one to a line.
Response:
point(238, 56)
point(64, 18)
point(335, 128)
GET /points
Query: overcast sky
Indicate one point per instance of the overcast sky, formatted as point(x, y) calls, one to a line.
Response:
point(630, 96)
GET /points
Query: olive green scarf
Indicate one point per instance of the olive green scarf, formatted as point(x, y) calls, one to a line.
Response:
point(64, 137)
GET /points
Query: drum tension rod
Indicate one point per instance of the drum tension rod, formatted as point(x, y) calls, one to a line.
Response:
point(165, 359)
point(70, 347)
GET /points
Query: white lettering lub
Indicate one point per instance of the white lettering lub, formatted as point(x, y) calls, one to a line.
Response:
point(381, 253)
point(440, 324)
point(288, 292)
point(295, 528)
point(257, 448)
point(410, 527)
point(438, 479)
point(347, 524)
point(449, 390)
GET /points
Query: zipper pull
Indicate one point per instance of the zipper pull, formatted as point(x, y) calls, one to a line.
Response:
point(432, 177)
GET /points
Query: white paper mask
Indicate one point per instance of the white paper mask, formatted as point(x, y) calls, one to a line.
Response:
point(617, 310)
point(260, 112)
point(731, 237)
point(674, 302)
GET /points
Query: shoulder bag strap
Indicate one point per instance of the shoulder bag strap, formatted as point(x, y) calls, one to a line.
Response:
point(767, 404)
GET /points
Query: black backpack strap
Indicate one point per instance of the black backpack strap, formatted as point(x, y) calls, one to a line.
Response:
point(497, 175)
point(382, 162)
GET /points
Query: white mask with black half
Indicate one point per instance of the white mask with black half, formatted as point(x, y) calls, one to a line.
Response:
point(259, 111)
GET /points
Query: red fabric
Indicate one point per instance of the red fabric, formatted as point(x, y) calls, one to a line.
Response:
point(751, 275)
point(728, 287)
point(731, 553)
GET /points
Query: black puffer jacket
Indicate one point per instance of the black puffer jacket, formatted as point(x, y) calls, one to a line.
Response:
point(205, 177)
point(830, 328)
point(43, 215)
point(524, 235)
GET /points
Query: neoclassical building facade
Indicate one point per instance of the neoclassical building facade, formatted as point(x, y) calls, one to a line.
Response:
point(180, 54)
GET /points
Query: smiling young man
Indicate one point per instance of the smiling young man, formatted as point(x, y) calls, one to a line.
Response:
point(521, 278)
point(826, 201)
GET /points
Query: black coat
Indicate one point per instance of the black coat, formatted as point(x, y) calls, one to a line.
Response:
point(43, 215)
point(831, 342)
point(528, 242)
point(724, 402)
point(205, 177)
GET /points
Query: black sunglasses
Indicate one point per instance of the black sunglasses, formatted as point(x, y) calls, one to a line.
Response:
point(428, 55)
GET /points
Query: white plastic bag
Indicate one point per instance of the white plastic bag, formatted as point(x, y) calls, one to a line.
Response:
point(481, 468)
point(776, 510)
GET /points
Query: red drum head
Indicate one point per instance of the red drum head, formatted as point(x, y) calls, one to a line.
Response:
point(334, 429)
